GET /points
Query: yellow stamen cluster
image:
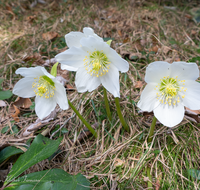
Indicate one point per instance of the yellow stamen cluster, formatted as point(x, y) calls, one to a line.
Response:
point(44, 87)
point(169, 91)
point(97, 63)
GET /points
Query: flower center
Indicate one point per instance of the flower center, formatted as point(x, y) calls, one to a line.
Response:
point(169, 86)
point(44, 87)
point(97, 63)
point(170, 91)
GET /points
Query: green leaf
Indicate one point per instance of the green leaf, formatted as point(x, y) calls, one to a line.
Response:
point(21, 187)
point(8, 152)
point(14, 129)
point(1, 80)
point(81, 180)
point(54, 69)
point(196, 14)
point(107, 39)
point(109, 42)
point(52, 179)
point(5, 94)
point(194, 59)
point(40, 149)
point(5, 129)
point(32, 107)
point(194, 173)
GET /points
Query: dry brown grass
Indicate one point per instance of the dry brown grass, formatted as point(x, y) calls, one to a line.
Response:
point(117, 159)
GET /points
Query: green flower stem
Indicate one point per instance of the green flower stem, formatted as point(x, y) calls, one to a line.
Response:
point(150, 178)
point(149, 140)
point(151, 132)
point(106, 103)
point(123, 122)
point(83, 120)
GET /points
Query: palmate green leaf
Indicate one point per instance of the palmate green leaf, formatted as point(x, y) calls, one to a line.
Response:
point(51, 180)
point(8, 152)
point(40, 149)
point(5, 94)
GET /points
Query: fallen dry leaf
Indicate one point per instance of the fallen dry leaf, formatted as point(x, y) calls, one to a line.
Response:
point(71, 8)
point(36, 57)
point(127, 39)
point(154, 49)
point(138, 45)
point(14, 107)
point(119, 162)
point(157, 184)
point(22, 102)
point(9, 8)
point(177, 59)
point(196, 112)
point(2, 103)
point(15, 115)
point(139, 84)
point(193, 32)
point(165, 49)
point(188, 16)
point(159, 178)
point(69, 87)
point(120, 33)
point(169, 60)
point(30, 19)
point(49, 35)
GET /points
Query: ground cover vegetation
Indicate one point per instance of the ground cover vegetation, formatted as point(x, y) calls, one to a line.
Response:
point(32, 34)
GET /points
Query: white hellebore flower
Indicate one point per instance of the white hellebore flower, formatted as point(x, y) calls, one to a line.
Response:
point(169, 88)
point(47, 89)
point(73, 39)
point(96, 64)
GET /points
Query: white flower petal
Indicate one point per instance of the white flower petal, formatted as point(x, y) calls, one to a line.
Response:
point(85, 82)
point(44, 106)
point(30, 72)
point(94, 44)
point(184, 71)
point(156, 71)
point(121, 64)
point(61, 96)
point(73, 39)
point(148, 99)
point(90, 32)
point(169, 115)
point(72, 57)
point(46, 73)
point(111, 81)
point(23, 88)
point(192, 95)
point(68, 68)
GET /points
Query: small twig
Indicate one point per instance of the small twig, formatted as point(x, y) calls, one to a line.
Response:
point(65, 121)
